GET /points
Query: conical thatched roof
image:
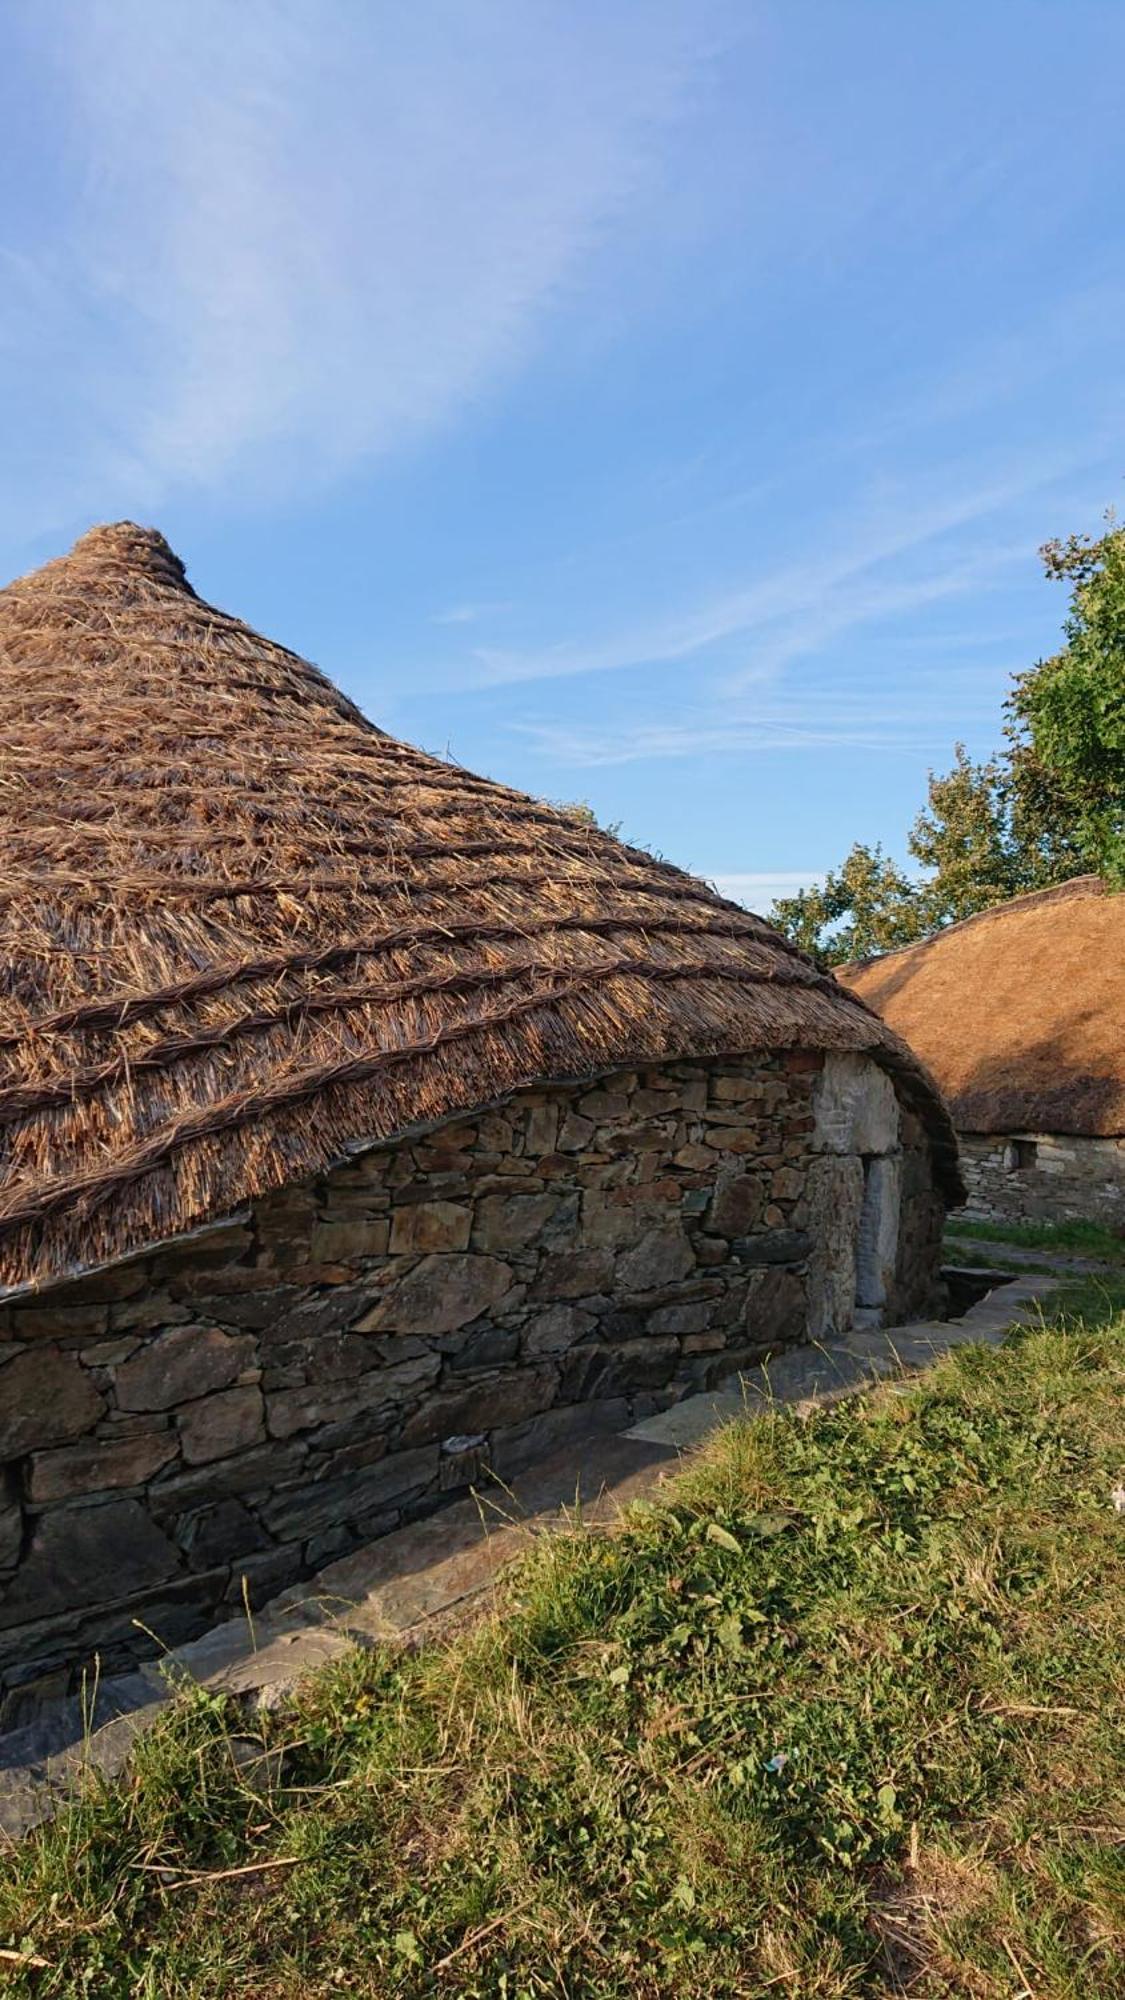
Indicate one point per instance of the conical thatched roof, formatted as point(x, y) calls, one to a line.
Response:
point(243, 928)
point(1019, 1011)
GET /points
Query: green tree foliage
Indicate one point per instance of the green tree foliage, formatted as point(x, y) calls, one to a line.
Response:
point(864, 907)
point(1069, 711)
point(1050, 805)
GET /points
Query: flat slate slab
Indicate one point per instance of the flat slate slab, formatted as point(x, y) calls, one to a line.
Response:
point(408, 1584)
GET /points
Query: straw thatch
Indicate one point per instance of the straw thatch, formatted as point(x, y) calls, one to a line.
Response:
point(243, 928)
point(1019, 1012)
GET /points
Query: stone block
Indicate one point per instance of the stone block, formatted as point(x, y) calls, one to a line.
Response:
point(425, 1226)
point(494, 1133)
point(877, 1246)
point(230, 1420)
point(540, 1130)
point(854, 1107)
point(576, 1133)
point(315, 1509)
point(46, 1397)
point(291, 1410)
point(109, 1353)
point(184, 1363)
point(250, 1310)
point(484, 1346)
point(343, 1242)
point(440, 1294)
point(464, 1462)
point(775, 1306)
point(737, 1139)
point(328, 1312)
point(737, 1205)
point(711, 1251)
point(250, 1472)
point(503, 1224)
point(560, 1326)
point(681, 1319)
point(660, 1257)
point(97, 1464)
point(555, 1431)
point(148, 1312)
point(573, 1274)
point(483, 1406)
point(647, 1363)
point(774, 1246)
point(835, 1196)
point(61, 1321)
point(224, 1533)
point(11, 1533)
point(734, 1089)
point(87, 1555)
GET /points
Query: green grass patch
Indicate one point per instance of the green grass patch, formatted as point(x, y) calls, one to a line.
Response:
point(840, 1715)
point(1085, 1239)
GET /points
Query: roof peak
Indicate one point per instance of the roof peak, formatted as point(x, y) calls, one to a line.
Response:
point(125, 545)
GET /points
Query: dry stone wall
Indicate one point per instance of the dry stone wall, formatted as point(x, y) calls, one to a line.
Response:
point(234, 1411)
point(1044, 1177)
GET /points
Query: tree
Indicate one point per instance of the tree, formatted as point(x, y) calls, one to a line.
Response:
point(1068, 730)
point(1049, 806)
point(865, 907)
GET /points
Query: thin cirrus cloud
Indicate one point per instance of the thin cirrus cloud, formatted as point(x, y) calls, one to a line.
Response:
point(278, 241)
point(759, 891)
point(843, 589)
point(470, 614)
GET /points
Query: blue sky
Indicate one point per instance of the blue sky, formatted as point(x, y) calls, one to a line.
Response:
point(658, 402)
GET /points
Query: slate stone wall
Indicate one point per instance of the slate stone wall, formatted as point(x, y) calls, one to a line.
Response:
point(1044, 1177)
point(238, 1409)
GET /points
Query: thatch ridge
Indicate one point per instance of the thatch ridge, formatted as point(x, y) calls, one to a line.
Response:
point(1017, 1010)
point(244, 929)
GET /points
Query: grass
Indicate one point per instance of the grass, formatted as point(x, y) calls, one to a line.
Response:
point(840, 1716)
point(1087, 1239)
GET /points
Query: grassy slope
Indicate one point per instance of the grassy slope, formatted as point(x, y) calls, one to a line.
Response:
point(844, 1713)
point(1086, 1239)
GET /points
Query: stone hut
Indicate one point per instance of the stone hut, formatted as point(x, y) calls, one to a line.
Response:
point(1020, 1015)
point(367, 1128)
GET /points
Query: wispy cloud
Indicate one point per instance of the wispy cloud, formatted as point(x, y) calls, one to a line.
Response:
point(279, 240)
point(470, 614)
point(759, 891)
point(799, 604)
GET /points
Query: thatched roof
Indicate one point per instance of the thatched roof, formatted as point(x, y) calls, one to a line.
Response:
point(242, 928)
point(1019, 1012)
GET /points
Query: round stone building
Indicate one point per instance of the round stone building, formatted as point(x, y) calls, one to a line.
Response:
point(367, 1128)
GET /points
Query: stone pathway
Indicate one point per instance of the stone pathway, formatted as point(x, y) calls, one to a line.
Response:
point(413, 1583)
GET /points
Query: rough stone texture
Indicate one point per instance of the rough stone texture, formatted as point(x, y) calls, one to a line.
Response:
point(46, 1396)
point(439, 1295)
point(1044, 1177)
point(234, 1411)
point(230, 1421)
point(98, 1463)
point(82, 1555)
point(855, 1107)
point(877, 1248)
point(835, 1205)
point(411, 1580)
point(186, 1362)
